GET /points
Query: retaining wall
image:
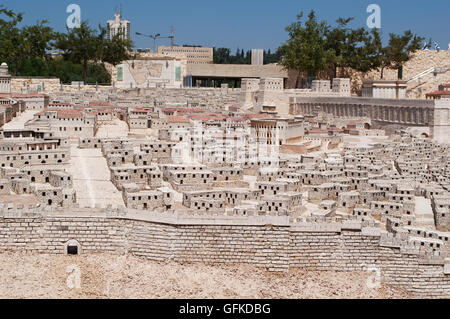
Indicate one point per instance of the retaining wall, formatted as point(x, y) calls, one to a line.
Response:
point(274, 243)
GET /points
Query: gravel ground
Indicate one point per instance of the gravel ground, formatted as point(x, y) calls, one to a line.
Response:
point(111, 276)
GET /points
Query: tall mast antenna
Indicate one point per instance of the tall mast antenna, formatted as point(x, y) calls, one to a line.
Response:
point(172, 36)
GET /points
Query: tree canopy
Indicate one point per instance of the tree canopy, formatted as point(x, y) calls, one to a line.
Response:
point(84, 44)
point(306, 49)
point(314, 46)
point(17, 44)
point(27, 49)
point(400, 49)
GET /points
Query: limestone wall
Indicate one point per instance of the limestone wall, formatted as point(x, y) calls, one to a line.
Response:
point(213, 98)
point(274, 243)
point(433, 114)
point(33, 84)
point(50, 85)
point(421, 61)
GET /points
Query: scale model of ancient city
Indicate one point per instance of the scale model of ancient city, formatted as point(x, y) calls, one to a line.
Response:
point(160, 166)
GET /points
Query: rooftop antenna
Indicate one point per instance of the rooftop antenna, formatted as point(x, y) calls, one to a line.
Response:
point(121, 11)
point(172, 36)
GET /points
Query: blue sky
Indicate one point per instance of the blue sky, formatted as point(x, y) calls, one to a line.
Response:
point(241, 23)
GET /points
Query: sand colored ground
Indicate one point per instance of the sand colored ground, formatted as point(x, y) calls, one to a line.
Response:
point(25, 199)
point(109, 276)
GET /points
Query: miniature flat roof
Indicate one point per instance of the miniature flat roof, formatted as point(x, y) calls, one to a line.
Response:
point(427, 240)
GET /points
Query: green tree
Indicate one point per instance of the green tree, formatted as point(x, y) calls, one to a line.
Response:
point(84, 45)
point(81, 45)
point(8, 20)
point(8, 13)
point(273, 57)
point(116, 50)
point(221, 56)
point(17, 47)
point(358, 49)
point(28, 42)
point(238, 53)
point(26, 50)
point(17, 44)
point(39, 39)
point(11, 37)
point(370, 54)
point(342, 42)
point(306, 50)
point(400, 50)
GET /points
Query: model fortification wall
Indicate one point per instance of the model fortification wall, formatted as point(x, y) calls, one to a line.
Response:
point(276, 243)
point(274, 178)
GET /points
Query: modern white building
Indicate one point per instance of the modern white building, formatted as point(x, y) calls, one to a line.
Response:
point(257, 57)
point(193, 55)
point(149, 72)
point(119, 26)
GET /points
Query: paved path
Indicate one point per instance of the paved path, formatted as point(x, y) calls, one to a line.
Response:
point(424, 213)
point(18, 123)
point(92, 178)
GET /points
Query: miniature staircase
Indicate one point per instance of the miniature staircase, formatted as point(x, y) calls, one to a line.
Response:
point(437, 70)
point(91, 179)
point(426, 80)
point(422, 74)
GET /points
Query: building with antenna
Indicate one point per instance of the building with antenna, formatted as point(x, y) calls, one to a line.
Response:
point(193, 55)
point(119, 26)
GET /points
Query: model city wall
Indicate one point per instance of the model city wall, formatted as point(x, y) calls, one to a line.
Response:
point(275, 243)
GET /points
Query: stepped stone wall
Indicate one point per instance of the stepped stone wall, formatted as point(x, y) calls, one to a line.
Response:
point(192, 97)
point(421, 61)
point(272, 242)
